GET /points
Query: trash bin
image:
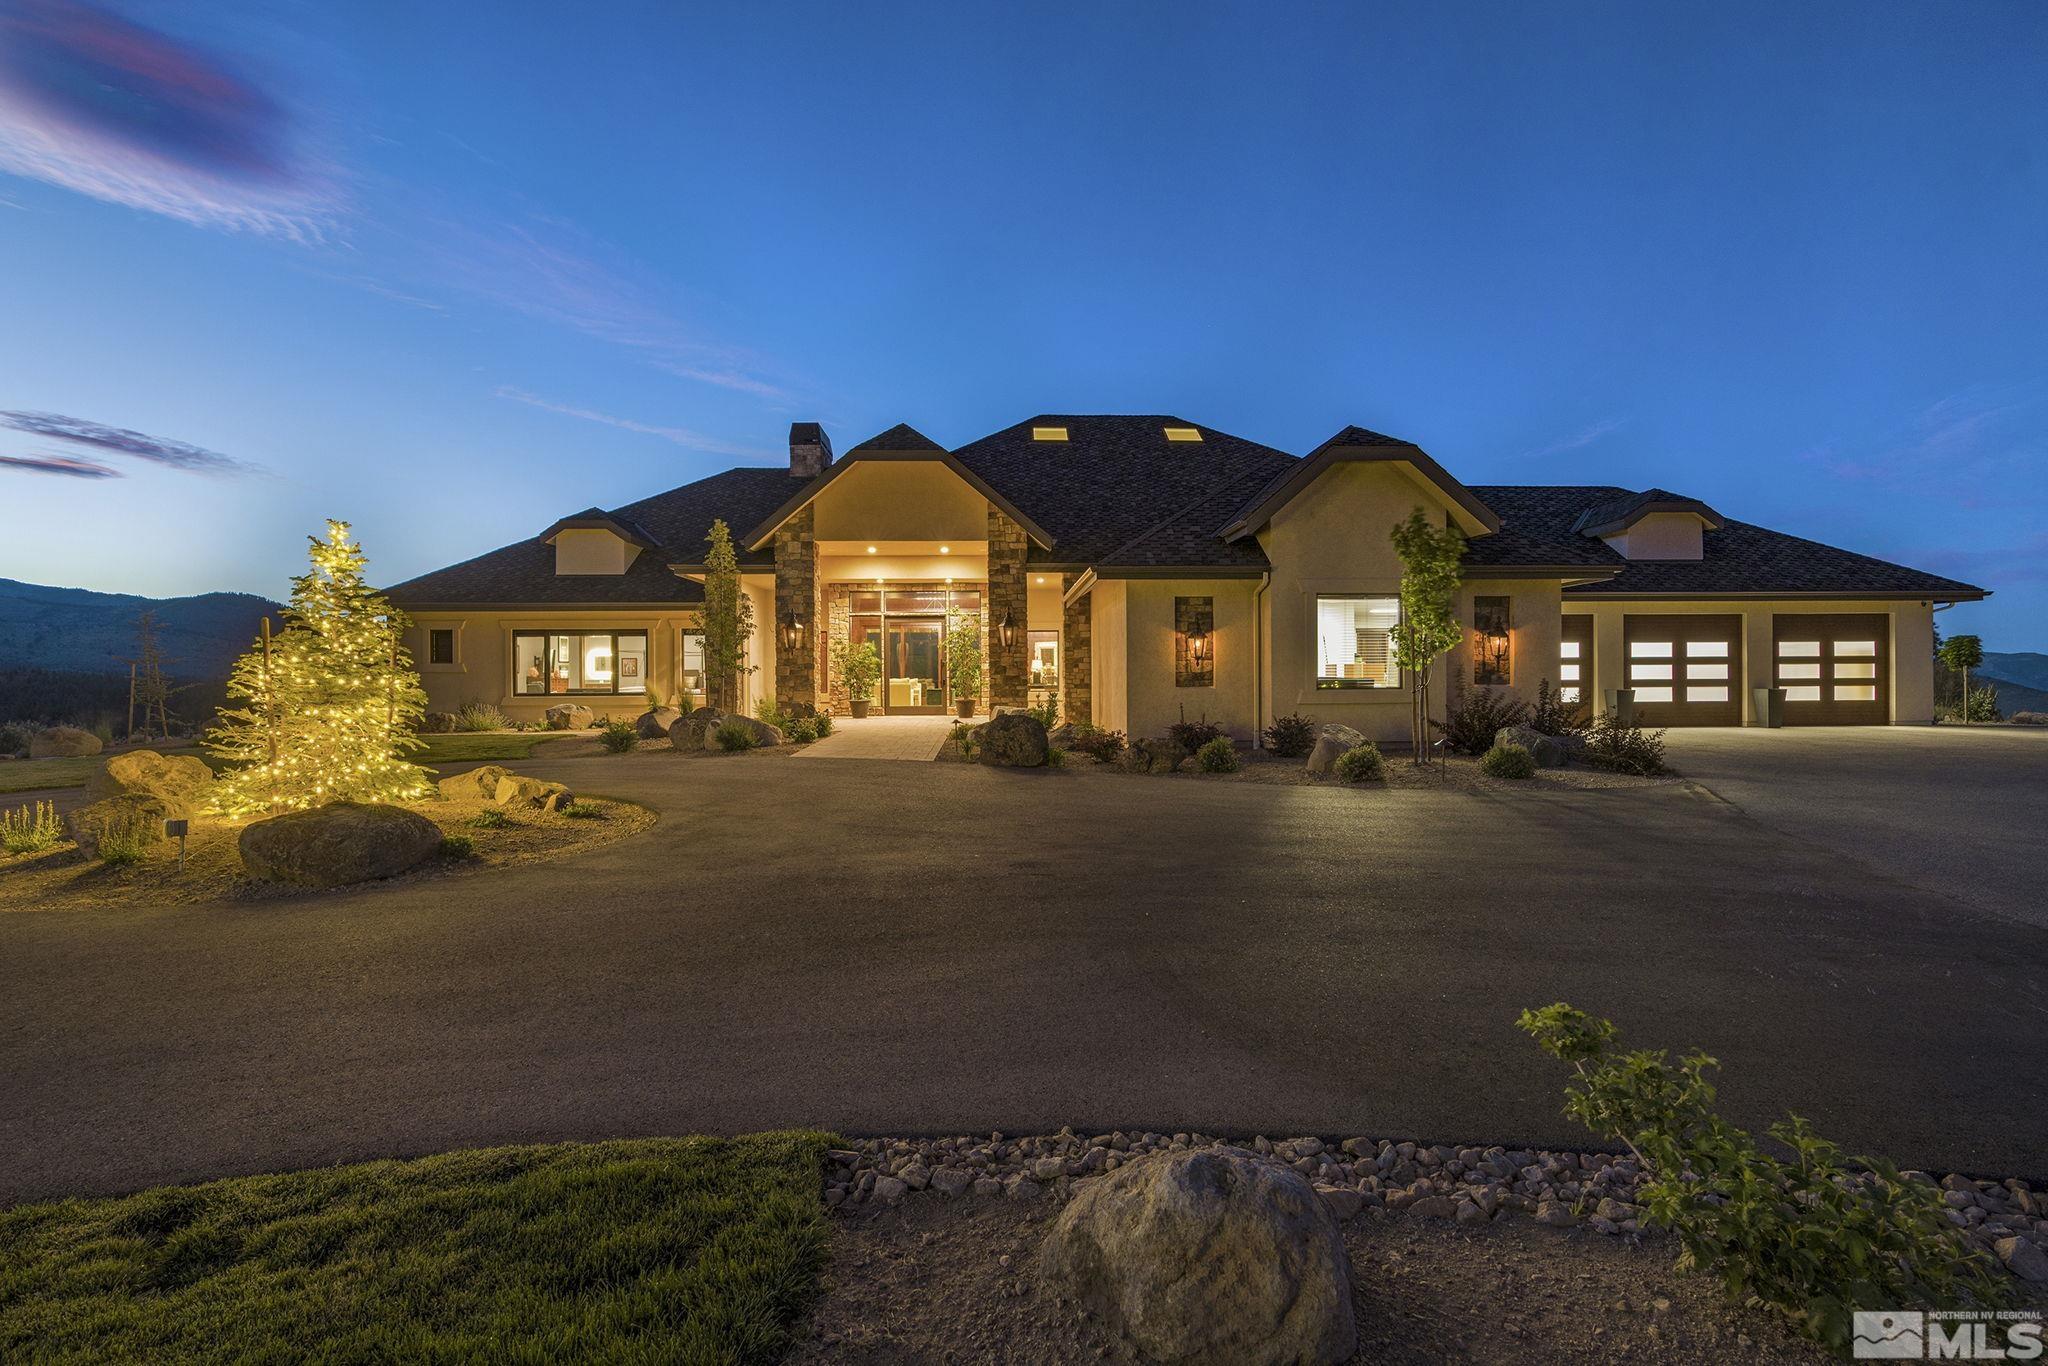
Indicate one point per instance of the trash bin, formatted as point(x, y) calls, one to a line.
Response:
point(1767, 707)
point(1622, 702)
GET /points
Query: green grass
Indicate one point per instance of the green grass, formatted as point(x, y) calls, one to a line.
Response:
point(28, 775)
point(461, 747)
point(656, 1250)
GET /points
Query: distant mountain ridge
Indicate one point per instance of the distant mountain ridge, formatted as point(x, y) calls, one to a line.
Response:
point(80, 631)
point(2028, 668)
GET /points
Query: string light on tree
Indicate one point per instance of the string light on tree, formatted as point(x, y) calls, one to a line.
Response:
point(330, 704)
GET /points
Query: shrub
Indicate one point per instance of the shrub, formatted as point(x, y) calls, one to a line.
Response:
point(2029, 718)
point(822, 723)
point(124, 838)
point(1192, 735)
point(491, 818)
point(580, 810)
point(1812, 1238)
point(1476, 715)
point(1103, 746)
point(1291, 737)
point(733, 737)
point(16, 735)
point(1361, 763)
point(1552, 715)
point(1624, 748)
point(963, 740)
point(1047, 714)
point(481, 716)
point(1055, 757)
point(1983, 707)
point(618, 736)
point(457, 846)
point(1508, 761)
point(800, 730)
point(30, 829)
point(1218, 756)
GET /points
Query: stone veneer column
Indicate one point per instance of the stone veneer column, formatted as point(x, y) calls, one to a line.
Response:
point(796, 595)
point(1009, 671)
point(1076, 659)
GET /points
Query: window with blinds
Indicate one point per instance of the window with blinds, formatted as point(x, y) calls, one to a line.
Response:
point(1355, 642)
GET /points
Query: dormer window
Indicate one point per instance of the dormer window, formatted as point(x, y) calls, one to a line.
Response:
point(1048, 433)
point(1183, 434)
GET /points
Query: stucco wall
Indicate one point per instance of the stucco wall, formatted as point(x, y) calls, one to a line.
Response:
point(1337, 539)
point(1112, 651)
point(1534, 627)
point(1152, 700)
point(901, 501)
point(482, 671)
point(1661, 536)
point(590, 551)
point(1912, 644)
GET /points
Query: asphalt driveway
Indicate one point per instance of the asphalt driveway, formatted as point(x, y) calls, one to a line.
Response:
point(890, 947)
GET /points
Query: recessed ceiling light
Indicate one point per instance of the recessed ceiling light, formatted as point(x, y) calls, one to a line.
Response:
point(871, 550)
point(945, 550)
point(1041, 578)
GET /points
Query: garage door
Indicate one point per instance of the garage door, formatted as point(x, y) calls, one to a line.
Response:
point(1575, 658)
point(1835, 670)
point(1686, 670)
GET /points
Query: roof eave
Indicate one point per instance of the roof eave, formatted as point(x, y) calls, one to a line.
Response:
point(763, 533)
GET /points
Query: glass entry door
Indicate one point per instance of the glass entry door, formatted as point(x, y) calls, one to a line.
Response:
point(912, 681)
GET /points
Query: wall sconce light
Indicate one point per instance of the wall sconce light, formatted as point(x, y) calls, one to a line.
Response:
point(792, 632)
point(1198, 647)
point(1006, 631)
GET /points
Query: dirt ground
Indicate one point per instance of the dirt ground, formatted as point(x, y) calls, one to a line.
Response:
point(936, 1280)
point(63, 878)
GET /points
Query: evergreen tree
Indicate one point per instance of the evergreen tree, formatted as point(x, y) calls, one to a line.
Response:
point(1430, 557)
point(728, 622)
point(330, 703)
point(152, 691)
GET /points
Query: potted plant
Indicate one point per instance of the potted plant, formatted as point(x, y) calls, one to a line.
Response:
point(963, 663)
point(860, 668)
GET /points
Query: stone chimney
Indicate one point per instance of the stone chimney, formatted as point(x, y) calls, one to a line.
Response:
point(810, 450)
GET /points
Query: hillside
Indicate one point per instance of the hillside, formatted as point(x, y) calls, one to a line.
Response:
point(2028, 668)
point(76, 630)
point(2014, 697)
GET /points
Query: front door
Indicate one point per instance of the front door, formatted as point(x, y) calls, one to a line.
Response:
point(911, 661)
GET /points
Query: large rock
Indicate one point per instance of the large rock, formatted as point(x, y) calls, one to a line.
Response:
point(1011, 739)
point(1332, 741)
point(654, 725)
point(136, 811)
point(569, 716)
point(763, 733)
point(515, 790)
point(1213, 1256)
point(340, 843)
point(1547, 750)
point(182, 782)
point(480, 784)
point(437, 723)
point(689, 731)
point(63, 742)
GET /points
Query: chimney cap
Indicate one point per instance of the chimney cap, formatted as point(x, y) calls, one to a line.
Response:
point(806, 434)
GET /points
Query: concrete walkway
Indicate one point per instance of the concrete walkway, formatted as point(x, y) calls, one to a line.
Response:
point(917, 738)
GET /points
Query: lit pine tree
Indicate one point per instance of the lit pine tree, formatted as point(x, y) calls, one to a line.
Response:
point(332, 705)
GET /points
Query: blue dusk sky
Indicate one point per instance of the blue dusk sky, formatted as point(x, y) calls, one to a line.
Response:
point(451, 272)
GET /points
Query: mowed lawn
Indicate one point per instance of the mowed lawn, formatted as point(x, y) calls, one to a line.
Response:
point(655, 1250)
point(31, 775)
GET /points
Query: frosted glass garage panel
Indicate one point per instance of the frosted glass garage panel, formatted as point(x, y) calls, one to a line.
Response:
point(1653, 694)
point(1706, 649)
point(1856, 692)
point(1650, 649)
point(1859, 649)
point(1706, 670)
point(1568, 650)
point(1804, 693)
point(1649, 671)
point(1866, 669)
point(1706, 694)
point(1799, 671)
point(1799, 649)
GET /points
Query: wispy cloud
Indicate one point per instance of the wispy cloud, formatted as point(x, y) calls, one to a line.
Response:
point(1994, 566)
point(1584, 436)
point(1967, 444)
point(552, 270)
point(157, 450)
point(681, 436)
point(108, 108)
point(75, 467)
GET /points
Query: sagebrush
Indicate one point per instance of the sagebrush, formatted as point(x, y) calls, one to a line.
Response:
point(1291, 737)
point(1218, 756)
point(1476, 715)
point(1623, 747)
point(1361, 763)
point(471, 716)
point(1508, 761)
point(31, 829)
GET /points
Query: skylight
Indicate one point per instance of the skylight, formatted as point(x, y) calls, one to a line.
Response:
point(1183, 434)
point(1048, 433)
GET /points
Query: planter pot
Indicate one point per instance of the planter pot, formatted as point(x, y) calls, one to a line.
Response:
point(860, 707)
point(963, 707)
point(1767, 707)
point(1622, 702)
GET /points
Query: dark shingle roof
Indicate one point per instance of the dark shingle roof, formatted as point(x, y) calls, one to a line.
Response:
point(901, 437)
point(1736, 558)
point(1117, 492)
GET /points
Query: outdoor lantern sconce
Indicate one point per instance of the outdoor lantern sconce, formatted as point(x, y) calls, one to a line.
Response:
point(1007, 631)
point(1198, 647)
point(792, 632)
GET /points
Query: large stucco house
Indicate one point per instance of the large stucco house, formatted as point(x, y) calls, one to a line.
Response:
point(1138, 568)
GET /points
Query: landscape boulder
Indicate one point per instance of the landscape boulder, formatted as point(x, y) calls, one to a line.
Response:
point(182, 782)
point(1153, 756)
point(136, 811)
point(569, 716)
point(437, 723)
point(63, 742)
point(478, 785)
point(1011, 739)
point(1332, 741)
point(1211, 1256)
point(1061, 736)
point(688, 732)
point(337, 844)
point(763, 733)
point(654, 725)
point(515, 790)
point(1547, 750)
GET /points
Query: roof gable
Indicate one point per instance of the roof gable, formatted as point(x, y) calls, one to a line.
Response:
point(764, 531)
point(1358, 444)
